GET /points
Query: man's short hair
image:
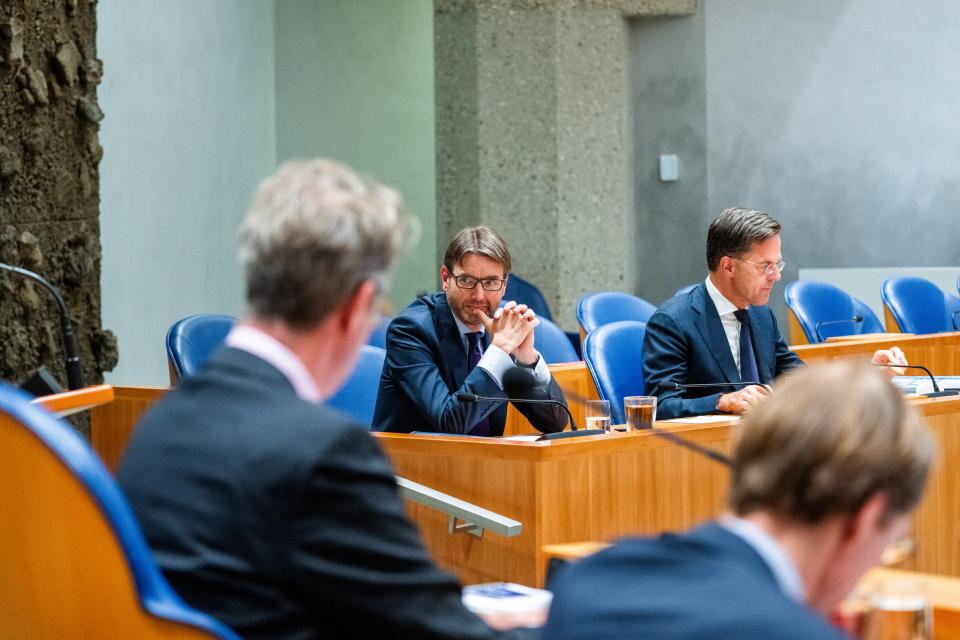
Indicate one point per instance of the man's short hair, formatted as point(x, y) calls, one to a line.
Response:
point(830, 437)
point(482, 241)
point(736, 230)
point(314, 232)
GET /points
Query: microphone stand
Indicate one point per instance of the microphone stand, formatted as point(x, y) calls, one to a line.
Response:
point(936, 393)
point(574, 432)
point(73, 366)
point(855, 320)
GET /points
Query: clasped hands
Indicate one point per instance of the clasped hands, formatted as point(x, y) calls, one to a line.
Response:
point(511, 329)
point(747, 398)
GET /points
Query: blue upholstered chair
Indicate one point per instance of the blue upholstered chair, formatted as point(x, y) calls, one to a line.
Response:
point(358, 395)
point(553, 344)
point(918, 306)
point(614, 356)
point(192, 340)
point(527, 293)
point(604, 307)
point(823, 310)
point(73, 561)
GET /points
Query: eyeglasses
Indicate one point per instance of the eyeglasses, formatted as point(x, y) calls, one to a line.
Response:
point(488, 284)
point(768, 268)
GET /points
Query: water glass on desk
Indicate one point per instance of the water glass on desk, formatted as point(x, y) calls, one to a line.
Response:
point(597, 414)
point(640, 411)
point(899, 610)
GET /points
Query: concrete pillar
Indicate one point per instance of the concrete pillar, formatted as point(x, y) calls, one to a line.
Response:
point(533, 135)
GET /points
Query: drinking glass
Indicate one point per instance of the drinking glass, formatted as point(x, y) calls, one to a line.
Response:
point(641, 412)
point(899, 610)
point(597, 414)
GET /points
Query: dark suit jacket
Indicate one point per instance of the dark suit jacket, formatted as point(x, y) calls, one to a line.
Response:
point(685, 343)
point(279, 517)
point(426, 366)
point(707, 584)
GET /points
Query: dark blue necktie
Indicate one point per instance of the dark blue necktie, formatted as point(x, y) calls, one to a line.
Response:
point(748, 361)
point(474, 353)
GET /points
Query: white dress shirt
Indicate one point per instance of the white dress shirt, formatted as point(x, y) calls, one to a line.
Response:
point(731, 326)
point(780, 564)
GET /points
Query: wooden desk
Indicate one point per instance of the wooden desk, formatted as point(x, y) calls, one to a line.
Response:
point(69, 402)
point(111, 424)
point(939, 352)
point(603, 487)
point(577, 384)
point(590, 488)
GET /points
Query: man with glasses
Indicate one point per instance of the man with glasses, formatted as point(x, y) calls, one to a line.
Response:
point(722, 330)
point(460, 340)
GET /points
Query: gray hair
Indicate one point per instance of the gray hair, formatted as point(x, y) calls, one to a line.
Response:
point(736, 230)
point(314, 232)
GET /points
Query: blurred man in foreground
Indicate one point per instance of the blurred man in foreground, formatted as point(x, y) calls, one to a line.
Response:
point(265, 509)
point(825, 476)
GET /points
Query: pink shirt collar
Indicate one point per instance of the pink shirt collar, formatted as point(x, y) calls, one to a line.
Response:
point(271, 350)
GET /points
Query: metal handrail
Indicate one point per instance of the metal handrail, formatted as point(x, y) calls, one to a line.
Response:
point(474, 519)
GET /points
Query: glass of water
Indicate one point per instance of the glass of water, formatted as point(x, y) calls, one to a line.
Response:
point(597, 414)
point(899, 610)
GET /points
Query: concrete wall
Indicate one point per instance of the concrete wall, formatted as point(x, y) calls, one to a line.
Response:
point(355, 83)
point(839, 118)
point(669, 116)
point(188, 93)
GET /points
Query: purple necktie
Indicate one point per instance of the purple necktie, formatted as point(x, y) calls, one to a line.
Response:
point(474, 353)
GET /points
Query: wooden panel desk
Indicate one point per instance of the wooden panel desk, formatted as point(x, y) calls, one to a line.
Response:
point(601, 487)
point(577, 384)
point(590, 488)
point(939, 352)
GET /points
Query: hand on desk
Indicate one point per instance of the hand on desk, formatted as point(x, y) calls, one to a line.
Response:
point(743, 400)
point(511, 329)
point(890, 356)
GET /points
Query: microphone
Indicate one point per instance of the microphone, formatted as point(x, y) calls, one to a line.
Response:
point(73, 366)
point(470, 398)
point(936, 393)
point(856, 319)
point(676, 386)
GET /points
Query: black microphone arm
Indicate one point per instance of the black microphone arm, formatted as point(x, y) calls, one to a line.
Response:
point(856, 319)
point(74, 368)
point(676, 386)
point(470, 398)
point(936, 393)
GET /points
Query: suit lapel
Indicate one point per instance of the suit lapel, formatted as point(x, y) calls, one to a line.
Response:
point(451, 344)
point(711, 330)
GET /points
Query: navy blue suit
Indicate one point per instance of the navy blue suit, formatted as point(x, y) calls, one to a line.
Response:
point(685, 343)
point(707, 584)
point(426, 367)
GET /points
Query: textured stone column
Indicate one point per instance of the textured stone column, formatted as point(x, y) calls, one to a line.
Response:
point(533, 135)
point(49, 203)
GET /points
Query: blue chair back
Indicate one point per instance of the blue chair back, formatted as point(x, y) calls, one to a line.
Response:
point(67, 536)
point(815, 303)
point(192, 340)
point(527, 293)
point(553, 344)
point(614, 356)
point(604, 307)
point(917, 305)
point(378, 337)
point(358, 395)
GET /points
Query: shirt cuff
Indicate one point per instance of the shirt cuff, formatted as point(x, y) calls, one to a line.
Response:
point(495, 361)
point(542, 371)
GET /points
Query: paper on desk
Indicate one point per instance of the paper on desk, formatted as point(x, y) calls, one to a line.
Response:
point(522, 438)
point(700, 419)
point(921, 385)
